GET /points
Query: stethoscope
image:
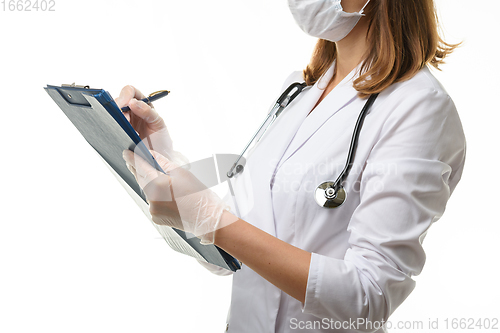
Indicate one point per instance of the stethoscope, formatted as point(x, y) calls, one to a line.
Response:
point(329, 194)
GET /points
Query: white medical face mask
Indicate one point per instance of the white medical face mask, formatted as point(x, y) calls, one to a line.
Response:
point(324, 19)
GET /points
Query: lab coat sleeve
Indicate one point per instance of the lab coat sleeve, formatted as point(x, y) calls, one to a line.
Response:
point(414, 165)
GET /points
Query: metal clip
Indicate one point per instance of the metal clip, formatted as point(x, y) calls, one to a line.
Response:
point(73, 85)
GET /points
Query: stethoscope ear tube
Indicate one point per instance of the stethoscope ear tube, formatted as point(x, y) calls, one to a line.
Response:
point(332, 194)
point(283, 101)
point(286, 98)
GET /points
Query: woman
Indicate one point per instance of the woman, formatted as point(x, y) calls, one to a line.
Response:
point(305, 267)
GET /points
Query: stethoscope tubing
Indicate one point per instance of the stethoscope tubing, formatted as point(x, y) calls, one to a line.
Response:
point(354, 141)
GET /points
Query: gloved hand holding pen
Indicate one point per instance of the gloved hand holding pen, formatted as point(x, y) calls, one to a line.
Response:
point(176, 199)
point(148, 124)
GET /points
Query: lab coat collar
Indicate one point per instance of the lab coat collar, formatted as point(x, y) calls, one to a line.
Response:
point(340, 97)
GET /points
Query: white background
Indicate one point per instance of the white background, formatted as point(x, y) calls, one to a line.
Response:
point(77, 255)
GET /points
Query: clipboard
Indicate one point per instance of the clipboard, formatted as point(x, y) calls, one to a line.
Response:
point(101, 122)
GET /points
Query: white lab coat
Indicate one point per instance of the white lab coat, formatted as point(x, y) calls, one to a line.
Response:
point(409, 159)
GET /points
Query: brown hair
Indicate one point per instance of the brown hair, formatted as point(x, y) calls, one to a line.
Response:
point(398, 46)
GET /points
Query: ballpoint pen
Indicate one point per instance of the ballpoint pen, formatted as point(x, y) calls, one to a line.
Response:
point(151, 98)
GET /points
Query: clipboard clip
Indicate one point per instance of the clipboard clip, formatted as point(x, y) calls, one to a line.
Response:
point(73, 85)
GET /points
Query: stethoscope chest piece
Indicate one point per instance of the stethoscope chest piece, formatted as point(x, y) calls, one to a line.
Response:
point(326, 196)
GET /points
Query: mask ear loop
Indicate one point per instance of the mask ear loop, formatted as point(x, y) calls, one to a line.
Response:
point(363, 9)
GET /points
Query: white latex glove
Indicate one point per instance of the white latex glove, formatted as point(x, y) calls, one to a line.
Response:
point(148, 124)
point(178, 199)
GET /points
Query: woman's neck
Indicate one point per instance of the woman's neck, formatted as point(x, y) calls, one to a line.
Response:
point(351, 51)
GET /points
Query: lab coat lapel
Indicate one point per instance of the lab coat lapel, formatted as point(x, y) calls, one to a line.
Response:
point(339, 98)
